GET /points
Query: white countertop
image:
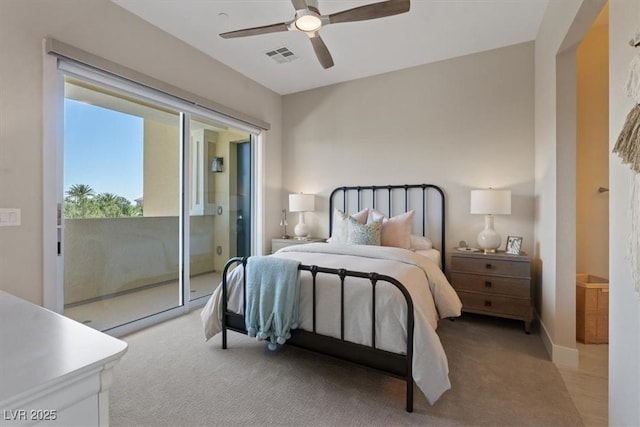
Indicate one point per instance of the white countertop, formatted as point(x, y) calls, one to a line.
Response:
point(39, 348)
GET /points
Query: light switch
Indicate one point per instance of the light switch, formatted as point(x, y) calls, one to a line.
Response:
point(9, 217)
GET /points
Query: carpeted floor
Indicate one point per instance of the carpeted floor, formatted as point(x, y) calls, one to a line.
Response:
point(170, 377)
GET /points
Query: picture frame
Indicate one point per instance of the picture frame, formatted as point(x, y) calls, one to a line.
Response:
point(514, 244)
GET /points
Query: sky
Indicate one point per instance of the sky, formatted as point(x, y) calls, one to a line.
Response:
point(103, 149)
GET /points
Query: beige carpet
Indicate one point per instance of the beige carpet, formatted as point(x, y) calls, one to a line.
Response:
point(170, 377)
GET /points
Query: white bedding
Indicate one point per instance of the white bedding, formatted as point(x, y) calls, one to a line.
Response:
point(432, 295)
point(432, 254)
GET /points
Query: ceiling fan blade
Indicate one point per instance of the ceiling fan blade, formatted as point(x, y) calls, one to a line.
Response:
point(299, 4)
point(311, 5)
point(322, 52)
point(274, 28)
point(371, 11)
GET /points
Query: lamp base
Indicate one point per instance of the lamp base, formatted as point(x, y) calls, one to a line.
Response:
point(301, 230)
point(488, 239)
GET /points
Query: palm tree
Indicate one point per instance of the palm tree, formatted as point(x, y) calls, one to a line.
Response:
point(112, 206)
point(106, 198)
point(82, 202)
point(80, 192)
point(78, 203)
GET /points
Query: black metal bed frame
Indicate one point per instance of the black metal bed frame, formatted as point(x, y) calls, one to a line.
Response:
point(407, 190)
point(394, 364)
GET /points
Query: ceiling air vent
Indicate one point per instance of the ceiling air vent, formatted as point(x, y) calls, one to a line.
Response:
point(281, 55)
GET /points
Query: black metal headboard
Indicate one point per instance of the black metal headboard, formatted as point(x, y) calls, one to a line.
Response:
point(426, 199)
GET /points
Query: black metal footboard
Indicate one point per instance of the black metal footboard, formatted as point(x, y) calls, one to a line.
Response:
point(393, 364)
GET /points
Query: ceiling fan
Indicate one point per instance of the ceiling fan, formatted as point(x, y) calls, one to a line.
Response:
point(309, 20)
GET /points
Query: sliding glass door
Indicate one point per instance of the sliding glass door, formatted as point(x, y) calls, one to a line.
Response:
point(218, 225)
point(156, 199)
point(122, 169)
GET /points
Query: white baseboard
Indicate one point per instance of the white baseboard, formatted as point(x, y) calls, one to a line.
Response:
point(560, 355)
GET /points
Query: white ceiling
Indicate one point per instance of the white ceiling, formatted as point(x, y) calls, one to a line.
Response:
point(431, 31)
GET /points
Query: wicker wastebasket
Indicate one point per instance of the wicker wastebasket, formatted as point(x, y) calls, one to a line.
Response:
point(592, 309)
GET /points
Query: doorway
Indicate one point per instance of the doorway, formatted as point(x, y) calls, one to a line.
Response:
point(588, 384)
point(243, 177)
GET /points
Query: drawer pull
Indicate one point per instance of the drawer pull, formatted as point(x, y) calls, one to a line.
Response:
point(488, 266)
point(487, 303)
point(487, 284)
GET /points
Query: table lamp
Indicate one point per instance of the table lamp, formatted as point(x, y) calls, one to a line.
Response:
point(301, 203)
point(489, 203)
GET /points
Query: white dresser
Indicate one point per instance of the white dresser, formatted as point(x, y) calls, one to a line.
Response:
point(53, 371)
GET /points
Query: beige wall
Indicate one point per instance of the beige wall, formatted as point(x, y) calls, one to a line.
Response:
point(624, 302)
point(161, 184)
point(463, 123)
point(104, 29)
point(563, 27)
point(592, 207)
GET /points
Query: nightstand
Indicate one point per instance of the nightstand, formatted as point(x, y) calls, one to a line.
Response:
point(494, 284)
point(282, 243)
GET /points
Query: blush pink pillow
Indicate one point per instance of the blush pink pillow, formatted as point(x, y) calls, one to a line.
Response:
point(396, 231)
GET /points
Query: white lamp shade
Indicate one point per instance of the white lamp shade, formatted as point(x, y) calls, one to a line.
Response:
point(491, 202)
point(302, 202)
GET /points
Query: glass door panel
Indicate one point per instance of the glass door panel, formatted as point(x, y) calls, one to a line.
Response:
point(121, 208)
point(216, 202)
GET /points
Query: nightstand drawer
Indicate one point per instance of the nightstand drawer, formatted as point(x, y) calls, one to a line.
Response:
point(491, 284)
point(476, 302)
point(491, 266)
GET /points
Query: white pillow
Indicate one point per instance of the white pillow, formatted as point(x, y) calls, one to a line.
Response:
point(420, 243)
point(339, 227)
point(396, 231)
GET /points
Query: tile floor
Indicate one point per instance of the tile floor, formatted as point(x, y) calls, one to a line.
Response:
point(588, 384)
point(110, 312)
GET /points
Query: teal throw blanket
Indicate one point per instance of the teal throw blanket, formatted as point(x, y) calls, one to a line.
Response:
point(273, 289)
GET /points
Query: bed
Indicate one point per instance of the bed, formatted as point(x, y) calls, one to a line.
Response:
point(377, 306)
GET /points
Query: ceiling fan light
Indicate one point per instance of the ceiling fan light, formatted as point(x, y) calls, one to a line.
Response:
point(308, 23)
